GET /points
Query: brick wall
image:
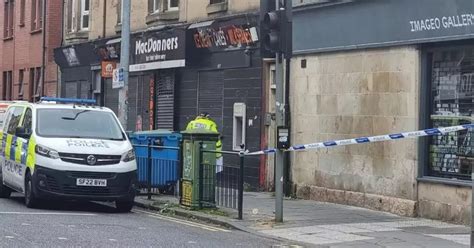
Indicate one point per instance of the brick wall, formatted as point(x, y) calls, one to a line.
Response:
point(24, 51)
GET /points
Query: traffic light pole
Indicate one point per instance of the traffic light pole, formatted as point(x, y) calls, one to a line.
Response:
point(280, 121)
point(124, 63)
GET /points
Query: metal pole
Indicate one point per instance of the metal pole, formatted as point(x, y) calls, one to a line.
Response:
point(43, 62)
point(280, 122)
point(241, 183)
point(279, 156)
point(150, 163)
point(200, 179)
point(124, 63)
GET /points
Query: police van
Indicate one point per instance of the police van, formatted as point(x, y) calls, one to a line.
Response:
point(66, 149)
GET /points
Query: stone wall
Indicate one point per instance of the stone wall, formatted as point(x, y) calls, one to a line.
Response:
point(348, 95)
point(444, 202)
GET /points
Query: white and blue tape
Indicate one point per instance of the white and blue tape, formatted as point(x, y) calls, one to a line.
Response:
point(363, 140)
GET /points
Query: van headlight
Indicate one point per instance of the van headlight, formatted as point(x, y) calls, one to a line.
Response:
point(128, 156)
point(46, 152)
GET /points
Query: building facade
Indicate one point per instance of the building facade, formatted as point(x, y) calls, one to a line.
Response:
point(27, 49)
point(364, 68)
point(186, 57)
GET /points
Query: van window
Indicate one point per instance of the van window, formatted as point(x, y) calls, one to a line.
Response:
point(78, 123)
point(14, 119)
point(27, 120)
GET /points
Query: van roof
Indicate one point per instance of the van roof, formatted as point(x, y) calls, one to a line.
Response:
point(52, 105)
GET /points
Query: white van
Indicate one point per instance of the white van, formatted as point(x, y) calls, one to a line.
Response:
point(66, 149)
point(3, 110)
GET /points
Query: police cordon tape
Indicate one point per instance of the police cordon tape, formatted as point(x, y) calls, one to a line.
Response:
point(363, 140)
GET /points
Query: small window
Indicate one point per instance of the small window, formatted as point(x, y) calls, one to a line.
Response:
point(217, 1)
point(36, 14)
point(22, 13)
point(156, 6)
point(37, 81)
point(7, 91)
point(119, 12)
point(34, 83)
point(85, 11)
point(173, 5)
point(9, 10)
point(14, 119)
point(21, 83)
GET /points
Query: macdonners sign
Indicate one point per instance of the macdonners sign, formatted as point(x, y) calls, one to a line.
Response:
point(158, 50)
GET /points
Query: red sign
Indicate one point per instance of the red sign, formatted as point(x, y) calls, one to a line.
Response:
point(230, 36)
point(108, 68)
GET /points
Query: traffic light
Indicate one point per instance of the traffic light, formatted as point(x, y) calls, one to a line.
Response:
point(276, 28)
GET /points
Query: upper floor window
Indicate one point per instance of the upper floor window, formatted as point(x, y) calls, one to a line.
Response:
point(173, 5)
point(217, 1)
point(36, 14)
point(158, 6)
point(85, 10)
point(78, 15)
point(9, 10)
point(22, 12)
point(155, 6)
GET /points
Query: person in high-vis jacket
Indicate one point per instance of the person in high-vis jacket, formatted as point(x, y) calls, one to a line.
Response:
point(203, 121)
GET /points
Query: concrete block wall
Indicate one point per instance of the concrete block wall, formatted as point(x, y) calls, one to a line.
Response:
point(347, 95)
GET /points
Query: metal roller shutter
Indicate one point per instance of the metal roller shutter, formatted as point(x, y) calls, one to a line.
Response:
point(165, 100)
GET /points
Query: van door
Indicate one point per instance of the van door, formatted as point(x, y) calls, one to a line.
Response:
point(12, 169)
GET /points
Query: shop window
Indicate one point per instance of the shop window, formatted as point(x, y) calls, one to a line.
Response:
point(8, 18)
point(36, 15)
point(452, 103)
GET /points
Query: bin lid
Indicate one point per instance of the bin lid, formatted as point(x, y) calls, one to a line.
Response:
point(157, 133)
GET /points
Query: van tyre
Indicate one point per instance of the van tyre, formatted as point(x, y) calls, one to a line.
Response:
point(30, 198)
point(5, 192)
point(124, 206)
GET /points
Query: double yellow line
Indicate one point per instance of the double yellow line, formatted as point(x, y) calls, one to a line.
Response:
point(180, 221)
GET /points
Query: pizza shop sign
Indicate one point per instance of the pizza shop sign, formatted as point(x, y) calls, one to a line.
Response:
point(223, 37)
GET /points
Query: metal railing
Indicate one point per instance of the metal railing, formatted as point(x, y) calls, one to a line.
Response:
point(227, 180)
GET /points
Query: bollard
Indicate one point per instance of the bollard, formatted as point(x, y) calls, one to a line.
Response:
point(241, 181)
point(149, 171)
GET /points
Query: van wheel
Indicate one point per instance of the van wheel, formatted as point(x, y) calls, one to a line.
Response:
point(5, 192)
point(124, 206)
point(30, 198)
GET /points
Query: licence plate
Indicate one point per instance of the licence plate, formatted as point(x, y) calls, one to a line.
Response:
point(91, 182)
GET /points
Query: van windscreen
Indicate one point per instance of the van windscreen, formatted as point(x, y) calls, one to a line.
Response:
point(78, 123)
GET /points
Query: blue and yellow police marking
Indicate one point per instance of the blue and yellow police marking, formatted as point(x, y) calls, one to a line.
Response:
point(8, 146)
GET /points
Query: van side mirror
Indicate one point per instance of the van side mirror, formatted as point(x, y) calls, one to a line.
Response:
point(22, 132)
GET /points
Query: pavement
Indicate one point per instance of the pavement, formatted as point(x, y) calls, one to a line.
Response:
point(90, 224)
point(318, 224)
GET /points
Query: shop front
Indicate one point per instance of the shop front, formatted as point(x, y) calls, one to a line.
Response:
point(155, 58)
point(223, 77)
point(399, 66)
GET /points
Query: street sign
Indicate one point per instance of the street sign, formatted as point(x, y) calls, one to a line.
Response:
point(117, 78)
